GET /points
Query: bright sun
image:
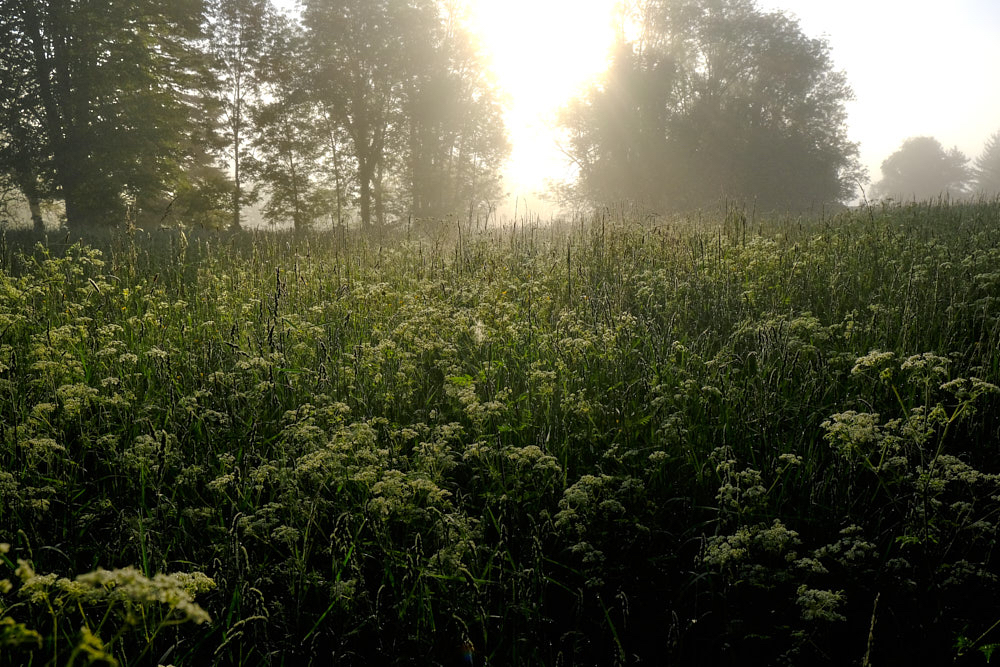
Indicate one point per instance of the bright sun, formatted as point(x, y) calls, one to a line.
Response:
point(542, 52)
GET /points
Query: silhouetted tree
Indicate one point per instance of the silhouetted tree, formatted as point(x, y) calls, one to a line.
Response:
point(400, 82)
point(456, 142)
point(714, 99)
point(358, 51)
point(987, 167)
point(237, 32)
point(290, 133)
point(923, 169)
point(106, 85)
point(25, 159)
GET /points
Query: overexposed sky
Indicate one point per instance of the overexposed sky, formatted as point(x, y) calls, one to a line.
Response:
point(543, 53)
point(918, 67)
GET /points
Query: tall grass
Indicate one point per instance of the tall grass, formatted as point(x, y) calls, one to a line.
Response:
point(605, 442)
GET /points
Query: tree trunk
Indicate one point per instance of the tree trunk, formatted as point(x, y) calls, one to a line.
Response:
point(237, 192)
point(379, 200)
point(237, 123)
point(36, 212)
point(28, 184)
point(337, 177)
point(365, 182)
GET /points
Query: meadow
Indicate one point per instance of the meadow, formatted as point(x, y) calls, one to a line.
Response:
point(712, 440)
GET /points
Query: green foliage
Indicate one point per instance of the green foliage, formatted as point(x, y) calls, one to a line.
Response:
point(987, 168)
point(402, 80)
point(100, 110)
point(591, 443)
point(289, 138)
point(123, 605)
point(715, 99)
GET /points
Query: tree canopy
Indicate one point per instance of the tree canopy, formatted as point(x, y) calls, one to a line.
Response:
point(421, 119)
point(715, 99)
point(923, 169)
point(103, 89)
point(379, 107)
point(987, 168)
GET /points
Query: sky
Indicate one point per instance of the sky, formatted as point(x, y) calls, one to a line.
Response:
point(917, 67)
point(543, 52)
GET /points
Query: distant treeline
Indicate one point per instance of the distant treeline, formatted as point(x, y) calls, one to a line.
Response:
point(922, 169)
point(377, 110)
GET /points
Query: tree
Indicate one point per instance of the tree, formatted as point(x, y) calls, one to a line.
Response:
point(402, 84)
point(106, 86)
point(987, 167)
point(287, 162)
point(456, 140)
point(714, 99)
point(358, 48)
point(237, 37)
point(618, 133)
point(25, 163)
point(289, 133)
point(922, 169)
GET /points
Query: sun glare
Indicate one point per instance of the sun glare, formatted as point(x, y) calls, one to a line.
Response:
point(542, 52)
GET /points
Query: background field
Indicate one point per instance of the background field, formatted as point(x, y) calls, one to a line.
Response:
point(629, 439)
